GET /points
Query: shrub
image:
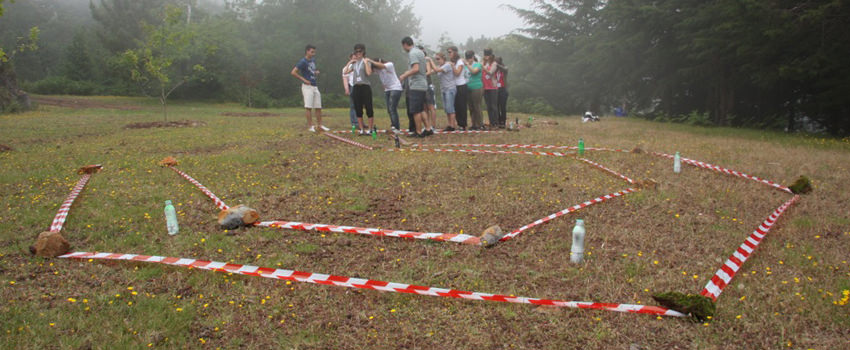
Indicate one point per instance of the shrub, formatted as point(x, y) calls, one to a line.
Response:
point(58, 85)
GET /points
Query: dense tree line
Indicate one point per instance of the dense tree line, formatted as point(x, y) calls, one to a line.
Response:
point(760, 63)
point(763, 63)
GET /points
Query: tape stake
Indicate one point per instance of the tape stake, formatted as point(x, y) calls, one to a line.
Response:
point(576, 207)
point(350, 142)
point(218, 202)
point(360, 283)
point(59, 219)
point(723, 276)
point(443, 237)
point(718, 169)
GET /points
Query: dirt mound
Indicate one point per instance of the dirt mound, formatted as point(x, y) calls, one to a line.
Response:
point(79, 103)
point(250, 114)
point(4, 148)
point(171, 124)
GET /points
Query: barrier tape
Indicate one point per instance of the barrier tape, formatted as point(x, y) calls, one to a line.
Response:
point(556, 154)
point(360, 283)
point(350, 142)
point(600, 166)
point(519, 146)
point(436, 132)
point(59, 219)
point(444, 237)
point(218, 202)
point(576, 207)
point(716, 168)
point(727, 271)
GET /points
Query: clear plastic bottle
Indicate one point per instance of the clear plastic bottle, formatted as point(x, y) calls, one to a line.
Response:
point(577, 249)
point(677, 163)
point(581, 147)
point(171, 218)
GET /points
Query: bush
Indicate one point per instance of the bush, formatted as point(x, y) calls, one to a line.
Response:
point(58, 85)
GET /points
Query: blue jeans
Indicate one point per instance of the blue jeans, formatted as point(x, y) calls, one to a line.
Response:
point(392, 98)
point(352, 114)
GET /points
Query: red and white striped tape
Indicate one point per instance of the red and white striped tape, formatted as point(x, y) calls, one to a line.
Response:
point(360, 283)
point(436, 132)
point(716, 168)
point(350, 142)
point(600, 166)
point(517, 146)
point(444, 237)
point(567, 211)
point(480, 151)
point(218, 202)
point(727, 271)
point(59, 219)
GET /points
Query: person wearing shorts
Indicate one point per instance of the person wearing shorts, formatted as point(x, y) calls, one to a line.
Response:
point(447, 87)
point(418, 86)
point(305, 71)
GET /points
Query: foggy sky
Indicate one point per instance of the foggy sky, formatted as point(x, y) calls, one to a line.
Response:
point(461, 19)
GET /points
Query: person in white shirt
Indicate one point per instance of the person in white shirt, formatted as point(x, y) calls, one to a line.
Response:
point(392, 88)
point(348, 85)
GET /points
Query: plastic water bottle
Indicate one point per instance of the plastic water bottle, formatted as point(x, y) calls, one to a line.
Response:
point(530, 119)
point(581, 147)
point(677, 163)
point(171, 218)
point(374, 134)
point(396, 140)
point(577, 249)
point(354, 130)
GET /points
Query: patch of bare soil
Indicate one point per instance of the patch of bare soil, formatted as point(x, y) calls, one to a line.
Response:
point(171, 124)
point(4, 148)
point(250, 114)
point(80, 103)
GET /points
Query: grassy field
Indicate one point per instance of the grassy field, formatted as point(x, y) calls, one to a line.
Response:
point(791, 294)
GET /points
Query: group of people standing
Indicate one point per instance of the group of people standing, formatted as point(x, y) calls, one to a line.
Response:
point(464, 82)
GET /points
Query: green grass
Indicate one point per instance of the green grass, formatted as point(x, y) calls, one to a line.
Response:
point(672, 238)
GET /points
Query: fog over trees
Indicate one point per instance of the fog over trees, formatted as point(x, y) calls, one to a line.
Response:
point(758, 63)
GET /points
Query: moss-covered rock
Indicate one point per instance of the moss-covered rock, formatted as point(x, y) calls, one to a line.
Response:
point(700, 308)
point(802, 185)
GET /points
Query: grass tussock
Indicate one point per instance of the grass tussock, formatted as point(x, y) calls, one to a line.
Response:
point(670, 236)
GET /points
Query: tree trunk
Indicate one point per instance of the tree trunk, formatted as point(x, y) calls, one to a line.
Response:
point(11, 98)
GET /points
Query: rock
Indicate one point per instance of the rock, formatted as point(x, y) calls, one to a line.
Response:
point(647, 184)
point(236, 217)
point(491, 235)
point(801, 186)
point(700, 308)
point(168, 161)
point(89, 169)
point(50, 244)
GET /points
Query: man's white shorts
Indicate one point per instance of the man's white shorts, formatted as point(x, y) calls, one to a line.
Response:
point(312, 97)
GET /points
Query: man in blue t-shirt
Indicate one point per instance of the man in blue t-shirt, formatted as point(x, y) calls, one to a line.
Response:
point(305, 70)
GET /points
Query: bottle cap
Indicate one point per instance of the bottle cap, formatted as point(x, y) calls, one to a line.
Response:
point(168, 202)
point(579, 222)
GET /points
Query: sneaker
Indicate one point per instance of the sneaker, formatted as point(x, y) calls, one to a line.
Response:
point(394, 130)
point(324, 128)
point(427, 133)
point(363, 132)
point(312, 128)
